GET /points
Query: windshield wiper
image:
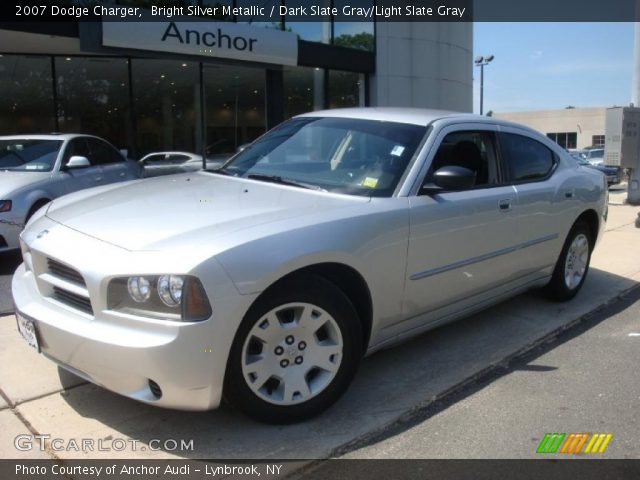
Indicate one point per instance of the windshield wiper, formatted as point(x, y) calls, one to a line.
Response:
point(284, 181)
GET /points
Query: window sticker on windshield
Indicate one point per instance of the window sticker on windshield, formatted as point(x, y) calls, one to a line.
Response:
point(370, 182)
point(397, 151)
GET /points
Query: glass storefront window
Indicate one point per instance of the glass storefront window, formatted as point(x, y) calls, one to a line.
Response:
point(346, 89)
point(93, 97)
point(167, 105)
point(353, 34)
point(234, 108)
point(303, 90)
point(26, 102)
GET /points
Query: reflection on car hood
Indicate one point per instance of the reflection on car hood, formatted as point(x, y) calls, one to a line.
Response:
point(188, 208)
point(12, 181)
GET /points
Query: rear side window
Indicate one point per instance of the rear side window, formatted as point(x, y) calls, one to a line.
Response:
point(526, 159)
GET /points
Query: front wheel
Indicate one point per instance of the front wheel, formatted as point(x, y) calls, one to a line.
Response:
point(295, 352)
point(573, 264)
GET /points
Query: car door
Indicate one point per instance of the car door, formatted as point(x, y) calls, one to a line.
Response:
point(545, 211)
point(114, 166)
point(461, 242)
point(79, 178)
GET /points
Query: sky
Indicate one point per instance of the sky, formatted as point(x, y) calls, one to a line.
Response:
point(553, 65)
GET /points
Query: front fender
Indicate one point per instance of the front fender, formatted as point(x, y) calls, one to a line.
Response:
point(374, 245)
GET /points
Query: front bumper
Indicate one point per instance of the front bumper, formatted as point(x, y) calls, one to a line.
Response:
point(123, 358)
point(122, 352)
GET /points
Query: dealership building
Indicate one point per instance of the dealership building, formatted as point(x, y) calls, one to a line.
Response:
point(211, 85)
point(571, 128)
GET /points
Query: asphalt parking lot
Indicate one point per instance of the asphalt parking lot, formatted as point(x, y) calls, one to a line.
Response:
point(584, 380)
point(392, 387)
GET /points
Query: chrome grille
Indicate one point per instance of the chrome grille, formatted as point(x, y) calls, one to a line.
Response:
point(63, 271)
point(72, 299)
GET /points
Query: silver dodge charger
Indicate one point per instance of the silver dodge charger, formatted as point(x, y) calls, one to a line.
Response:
point(336, 234)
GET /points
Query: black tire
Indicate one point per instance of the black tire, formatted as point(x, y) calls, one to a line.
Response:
point(321, 293)
point(558, 289)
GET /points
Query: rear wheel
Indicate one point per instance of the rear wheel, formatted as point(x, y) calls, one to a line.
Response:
point(295, 352)
point(573, 264)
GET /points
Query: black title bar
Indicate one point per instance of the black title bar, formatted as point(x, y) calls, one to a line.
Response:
point(259, 11)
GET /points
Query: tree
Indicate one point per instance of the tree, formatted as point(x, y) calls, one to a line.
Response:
point(361, 41)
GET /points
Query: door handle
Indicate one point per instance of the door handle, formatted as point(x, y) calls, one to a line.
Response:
point(97, 179)
point(505, 205)
point(122, 174)
point(569, 194)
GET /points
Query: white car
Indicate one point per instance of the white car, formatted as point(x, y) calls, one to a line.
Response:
point(35, 169)
point(595, 156)
point(334, 235)
point(168, 163)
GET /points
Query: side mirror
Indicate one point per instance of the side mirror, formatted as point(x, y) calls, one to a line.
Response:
point(77, 162)
point(450, 179)
point(124, 152)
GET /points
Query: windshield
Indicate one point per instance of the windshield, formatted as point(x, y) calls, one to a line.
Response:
point(29, 155)
point(358, 157)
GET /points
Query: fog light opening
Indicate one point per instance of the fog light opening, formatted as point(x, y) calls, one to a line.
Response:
point(155, 389)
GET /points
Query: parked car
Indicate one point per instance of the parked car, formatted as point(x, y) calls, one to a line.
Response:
point(613, 174)
point(35, 169)
point(595, 156)
point(169, 163)
point(335, 235)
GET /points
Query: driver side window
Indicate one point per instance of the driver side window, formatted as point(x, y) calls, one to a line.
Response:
point(473, 150)
point(77, 147)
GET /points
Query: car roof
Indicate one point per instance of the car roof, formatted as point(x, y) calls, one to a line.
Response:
point(415, 116)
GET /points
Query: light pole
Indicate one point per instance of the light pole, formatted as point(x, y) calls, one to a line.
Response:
point(481, 62)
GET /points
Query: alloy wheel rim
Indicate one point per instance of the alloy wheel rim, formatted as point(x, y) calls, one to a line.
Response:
point(576, 262)
point(292, 353)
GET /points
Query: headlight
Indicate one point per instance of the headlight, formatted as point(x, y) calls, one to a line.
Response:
point(139, 289)
point(170, 289)
point(165, 297)
point(5, 205)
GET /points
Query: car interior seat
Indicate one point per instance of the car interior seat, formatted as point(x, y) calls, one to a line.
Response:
point(467, 154)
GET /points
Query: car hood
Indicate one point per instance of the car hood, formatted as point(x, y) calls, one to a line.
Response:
point(12, 181)
point(172, 211)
